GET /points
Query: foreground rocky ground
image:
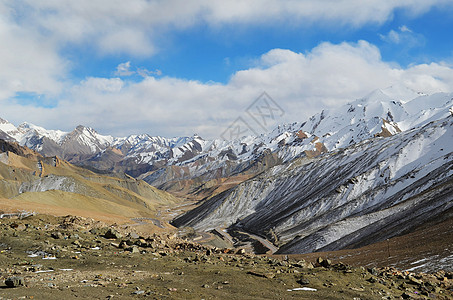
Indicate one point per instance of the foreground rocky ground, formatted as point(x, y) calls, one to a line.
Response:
point(45, 257)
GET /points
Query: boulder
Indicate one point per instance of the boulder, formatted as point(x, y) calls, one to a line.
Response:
point(113, 234)
point(14, 281)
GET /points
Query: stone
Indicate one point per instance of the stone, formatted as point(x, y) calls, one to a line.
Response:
point(341, 266)
point(133, 249)
point(326, 263)
point(98, 231)
point(113, 234)
point(15, 281)
point(371, 280)
point(240, 251)
point(57, 235)
point(373, 271)
point(323, 262)
point(133, 235)
point(414, 280)
point(19, 227)
point(406, 295)
point(264, 275)
point(303, 281)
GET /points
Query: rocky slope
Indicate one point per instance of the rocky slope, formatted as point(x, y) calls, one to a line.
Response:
point(71, 257)
point(27, 179)
point(368, 192)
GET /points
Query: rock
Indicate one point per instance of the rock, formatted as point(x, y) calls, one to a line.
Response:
point(406, 295)
point(414, 280)
point(14, 281)
point(98, 231)
point(371, 280)
point(264, 275)
point(113, 234)
point(133, 235)
point(133, 249)
point(373, 271)
point(240, 251)
point(303, 281)
point(57, 235)
point(300, 263)
point(123, 245)
point(326, 263)
point(138, 292)
point(20, 227)
point(341, 267)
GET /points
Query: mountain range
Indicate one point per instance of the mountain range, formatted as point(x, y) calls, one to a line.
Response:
point(372, 169)
point(386, 170)
point(191, 162)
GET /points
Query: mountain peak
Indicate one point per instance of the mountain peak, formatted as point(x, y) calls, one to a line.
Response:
point(402, 93)
point(3, 121)
point(83, 127)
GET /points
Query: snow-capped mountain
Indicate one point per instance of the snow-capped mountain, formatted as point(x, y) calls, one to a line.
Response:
point(367, 192)
point(160, 160)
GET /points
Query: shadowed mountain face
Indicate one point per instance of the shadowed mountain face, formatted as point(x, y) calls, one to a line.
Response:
point(365, 193)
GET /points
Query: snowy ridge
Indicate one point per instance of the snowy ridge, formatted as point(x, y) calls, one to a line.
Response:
point(382, 113)
point(28, 129)
point(367, 192)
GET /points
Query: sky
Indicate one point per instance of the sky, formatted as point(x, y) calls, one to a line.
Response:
point(178, 68)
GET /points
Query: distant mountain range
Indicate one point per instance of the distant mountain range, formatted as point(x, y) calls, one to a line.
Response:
point(190, 162)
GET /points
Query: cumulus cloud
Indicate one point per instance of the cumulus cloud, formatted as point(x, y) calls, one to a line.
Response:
point(301, 83)
point(34, 34)
point(134, 26)
point(27, 63)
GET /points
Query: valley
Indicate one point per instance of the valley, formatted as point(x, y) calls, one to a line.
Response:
point(368, 185)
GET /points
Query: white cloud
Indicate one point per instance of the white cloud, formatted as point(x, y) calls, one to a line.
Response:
point(404, 36)
point(33, 34)
point(124, 69)
point(404, 28)
point(145, 72)
point(27, 63)
point(302, 83)
point(135, 26)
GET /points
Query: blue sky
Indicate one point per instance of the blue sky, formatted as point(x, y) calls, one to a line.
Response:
point(175, 68)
